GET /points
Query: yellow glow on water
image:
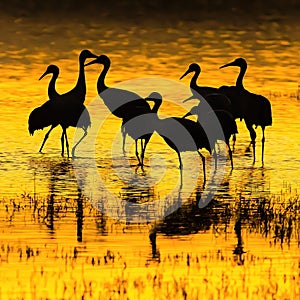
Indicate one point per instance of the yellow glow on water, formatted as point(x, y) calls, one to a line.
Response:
point(45, 269)
point(40, 209)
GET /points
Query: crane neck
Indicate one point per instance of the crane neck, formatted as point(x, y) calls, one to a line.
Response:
point(156, 106)
point(101, 79)
point(193, 83)
point(80, 85)
point(52, 93)
point(239, 80)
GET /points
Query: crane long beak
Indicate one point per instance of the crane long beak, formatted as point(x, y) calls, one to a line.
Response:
point(188, 99)
point(187, 114)
point(187, 72)
point(46, 73)
point(92, 62)
point(227, 65)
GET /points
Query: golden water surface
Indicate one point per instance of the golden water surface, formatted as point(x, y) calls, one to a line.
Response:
point(56, 243)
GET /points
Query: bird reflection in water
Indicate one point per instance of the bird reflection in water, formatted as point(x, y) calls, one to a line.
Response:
point(134, 196)
point(56, 170)
point(60, 173)
point(239, 249)
point(79, 216)
point(152, 237)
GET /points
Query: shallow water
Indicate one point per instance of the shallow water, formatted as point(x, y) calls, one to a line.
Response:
point(41, 205)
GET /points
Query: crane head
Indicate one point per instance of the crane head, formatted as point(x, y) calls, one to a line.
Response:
point(51, 69)
point(192, 68)
point(156, 98)
point(238, 62)
point(84, 54)
point(102, 60)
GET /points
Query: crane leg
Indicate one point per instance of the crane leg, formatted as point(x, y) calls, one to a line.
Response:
point(67, 143)
point(124, 139)
point(233, 141)
point(253, 137)
point(253, 146)
point(137, 152)
point(215, 157)
point(262, 145)
point(73, 149)
point(46, 137)
point(143, 147)
point(181, 179)
point(203, 164)
point(62, 139)
point(214, 154)
point(179, 158)
point(146, 141)
point(230, 153)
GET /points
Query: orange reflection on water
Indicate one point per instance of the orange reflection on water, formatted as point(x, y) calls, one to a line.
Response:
point(52, 219)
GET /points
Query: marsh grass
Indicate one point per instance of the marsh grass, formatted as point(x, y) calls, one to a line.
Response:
point(57, 273)
point(33, 266)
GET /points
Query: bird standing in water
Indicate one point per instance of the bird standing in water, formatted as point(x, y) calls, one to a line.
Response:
point(63, 109)
point(215, 100)
point(253, 108)
point(227, 124)
point(122, 103)
point(211, 95)
point(179, 133)
point(195, 88)
point(53, 113)
point(78, 92)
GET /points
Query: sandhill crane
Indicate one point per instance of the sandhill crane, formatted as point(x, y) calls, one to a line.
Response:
point(52, 113)
point(179, 133)
point(253, 108)
point(75, 95)
point(122, 103)
point(225, 119)
point(215, 99)
point(59, 112)
point(195, 88)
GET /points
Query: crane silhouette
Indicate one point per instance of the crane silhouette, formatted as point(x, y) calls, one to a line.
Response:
point(226, 120)
point(139, 128)
point(122, 103)
point(214, 100)
point(41, 112)
point(76, 94)
point(179, 133)
point(253, 108)
point(213, 97)
point(53, 113)
point(54, 70)
point(59, 112)
point(195, 88)
point(72, 97)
